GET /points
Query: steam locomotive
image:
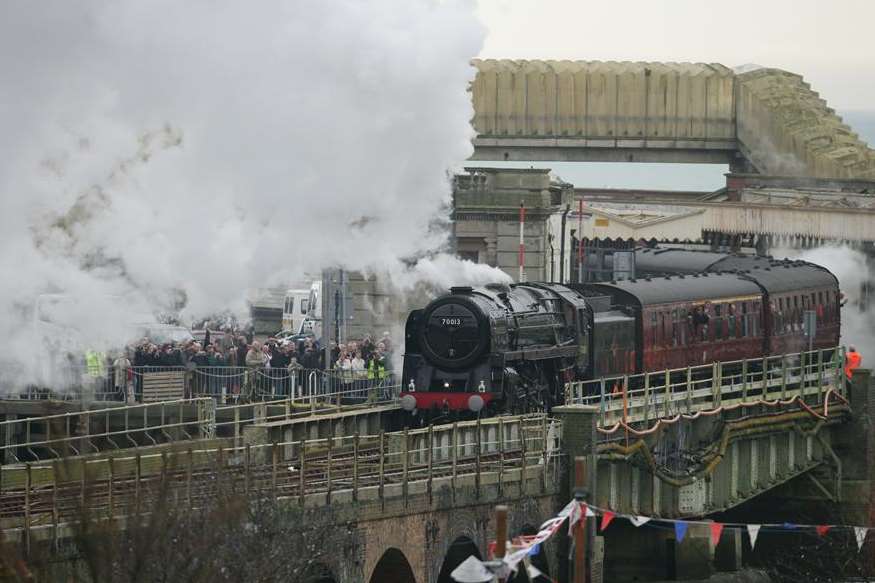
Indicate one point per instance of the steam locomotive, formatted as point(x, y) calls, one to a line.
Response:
point(512, 348)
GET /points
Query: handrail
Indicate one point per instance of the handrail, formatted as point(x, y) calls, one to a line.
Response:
point(50, 495)
point(654, 395)
point(82, 421)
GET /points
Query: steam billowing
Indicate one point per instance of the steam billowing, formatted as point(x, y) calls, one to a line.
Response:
point(852, 270)
point(212, 146)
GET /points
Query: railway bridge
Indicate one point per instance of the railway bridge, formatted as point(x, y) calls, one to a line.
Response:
point(703, 442)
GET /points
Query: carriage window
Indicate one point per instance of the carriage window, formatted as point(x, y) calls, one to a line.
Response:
point(744, 317)
point(730, 318)
point(684, 329)
point(674, 327)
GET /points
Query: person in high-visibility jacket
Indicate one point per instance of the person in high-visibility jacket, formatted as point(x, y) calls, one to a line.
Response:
point(376, 374)
point(95, 363)
point(853, 360)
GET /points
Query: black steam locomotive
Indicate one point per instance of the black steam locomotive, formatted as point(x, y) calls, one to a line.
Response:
point(512, 348)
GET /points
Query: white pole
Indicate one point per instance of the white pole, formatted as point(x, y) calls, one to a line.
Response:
point(522, 259)
point(580, 242)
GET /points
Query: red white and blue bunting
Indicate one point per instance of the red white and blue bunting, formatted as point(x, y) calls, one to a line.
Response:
point(521, 548)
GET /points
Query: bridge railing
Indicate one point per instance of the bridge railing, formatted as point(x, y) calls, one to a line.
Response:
point(45, 496)
point(665, 394)
point(228, 384)
point(95, 430)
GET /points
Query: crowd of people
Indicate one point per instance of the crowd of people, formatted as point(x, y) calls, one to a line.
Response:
point(232, 363)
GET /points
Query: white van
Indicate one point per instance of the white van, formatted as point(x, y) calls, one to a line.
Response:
point(295, 308)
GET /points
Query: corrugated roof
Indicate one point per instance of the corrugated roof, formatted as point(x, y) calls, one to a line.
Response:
point(662, 290)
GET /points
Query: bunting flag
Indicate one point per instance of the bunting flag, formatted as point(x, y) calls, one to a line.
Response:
point(822, 529)
point(639, 521)
point(753, 530)
point(525, 546)
point(716, 531)
point(860, 532)
point(532, 571)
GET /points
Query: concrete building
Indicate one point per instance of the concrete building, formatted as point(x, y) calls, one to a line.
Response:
point(487, 217)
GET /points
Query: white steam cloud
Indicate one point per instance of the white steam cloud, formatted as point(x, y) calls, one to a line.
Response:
point(213, 146)
point(852, 270)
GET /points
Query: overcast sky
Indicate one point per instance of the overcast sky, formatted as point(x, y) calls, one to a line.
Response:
point(831, 43)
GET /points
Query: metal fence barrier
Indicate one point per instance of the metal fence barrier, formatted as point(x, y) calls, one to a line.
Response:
point(228, 384)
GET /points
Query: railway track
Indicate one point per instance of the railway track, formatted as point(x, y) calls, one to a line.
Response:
point(196, 479)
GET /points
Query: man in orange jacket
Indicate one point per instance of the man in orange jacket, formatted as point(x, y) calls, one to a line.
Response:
point(852, 361)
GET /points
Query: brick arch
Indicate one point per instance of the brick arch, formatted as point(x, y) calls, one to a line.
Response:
point(459, 549)
point(393, 567)
point(460, 523)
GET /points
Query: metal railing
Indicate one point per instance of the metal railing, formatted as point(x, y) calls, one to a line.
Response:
point(229, 383)
point(663, 394)
point(92, 431)
point(48, 496)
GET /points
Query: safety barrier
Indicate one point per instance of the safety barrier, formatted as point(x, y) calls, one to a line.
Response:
point(92, 431)
point(805, 376)
point(227, 383)
point(43, 498)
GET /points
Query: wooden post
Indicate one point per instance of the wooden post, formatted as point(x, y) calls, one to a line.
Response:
point(715, 385)
point(500, 533)
point(355, 466)
point(302, 454)
point(784, 376)
point(382, 463)
point(765, 380)
point(579, 566)
point(83, 484)
point(500, 456)
point(430, 460)
point(188, 475)
point(56, 519)
point(246, 468)
point(111, 482)
point(545, 453)
point(523, 453)
point(744, 380)
point(138, 471)
point(667, 407)
point(477, 459)
point(220, 455)
point(330, 444)
point(646, 397)
point(28, 481)
point(820, 374)
point(274, 455)
point(237, 424)
point(689, 389)
point(455, 454)
point(406, 452)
